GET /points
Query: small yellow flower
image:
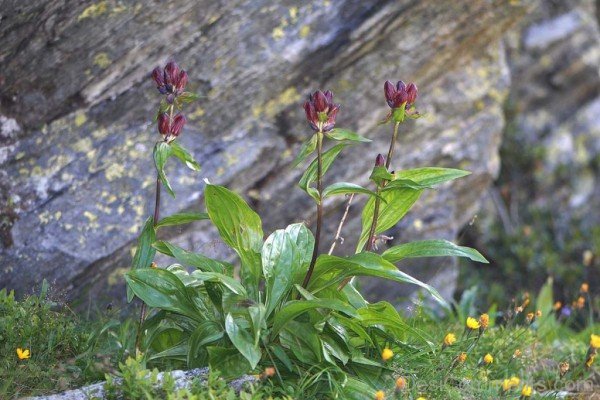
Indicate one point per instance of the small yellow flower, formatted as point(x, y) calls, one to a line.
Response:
point(517, 353)
point(484, 321)
point(462, 357)
point(588, 257)
point(23, 354)
point(580, 302)
point(379, 395)
point(472, 323)
point(488, 359)
point(400, 383)
point(564, 368)
point(529, 317)
point(506, 385)
point(269, 372)
point(421, 398)
point(590, 360)
point(449, 339)
point(519, 309)
point(526, 391)
point(386, 354)
point(557, 306)
point(595, 341)
point(584, 288)
point(514, 381)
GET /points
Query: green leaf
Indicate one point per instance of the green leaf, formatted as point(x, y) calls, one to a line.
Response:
point(161, 289)
point(431, 248)
point(184, 156)
point(162, 152)
point(144, 253)
point(242, 341)
point(355, 389)
point(332, 270)
point(345, 134)
point(230, 283)
point(195, 260)
point(282, 267)
point(404, 183)
point(310, 175)
point(187, 97)
point(380, 174)
point(344, 188)
point(228, 361)
point(302, 339)
point(280, 353)
point(240, 227)
point(430, 176)
point(294, 308)
point(308, 147)
point(258, 317)
point(206, 332)
point(397, 204)
point(304, 241)
point(180, 219)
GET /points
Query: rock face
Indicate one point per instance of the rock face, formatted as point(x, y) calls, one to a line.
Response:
point(76, 104)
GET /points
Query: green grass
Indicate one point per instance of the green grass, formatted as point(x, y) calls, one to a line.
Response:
point(68, 352)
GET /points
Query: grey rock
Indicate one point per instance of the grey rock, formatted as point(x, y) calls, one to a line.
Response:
point(78, 180)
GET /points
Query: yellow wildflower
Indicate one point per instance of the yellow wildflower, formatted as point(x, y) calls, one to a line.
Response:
point(595, 341)
point(462, 357)
point(421, 398)
point(484, 321)
point(517, 353)
point(588, 257)
point(557, 306)
point(584, 288)
point(449, 339)
point(472, 323)
point(514, 381)
point(506, 385)
point(269, 372)
point(529, 317)
point(23, 354)
point(379, 395)
point(386, 354)
point(538, 313)
point(488, 359)
point(526, 391)
point(400, 383)
point(580, 302)
point(564, 368)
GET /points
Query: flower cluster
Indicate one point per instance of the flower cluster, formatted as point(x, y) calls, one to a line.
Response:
point(321, 111)
point(399, 94)
point(170, 80)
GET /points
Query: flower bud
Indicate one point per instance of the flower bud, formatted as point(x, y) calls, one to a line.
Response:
point(158, 76)
point(182, 80)
point(178, 123)
point(163, 124)
point(400, 94)
point(379, 160)
point(171, 73)
point(320, 111)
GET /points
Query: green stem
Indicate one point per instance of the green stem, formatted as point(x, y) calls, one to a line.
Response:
point(156, 216)
point(388, 161)
point(319, 209)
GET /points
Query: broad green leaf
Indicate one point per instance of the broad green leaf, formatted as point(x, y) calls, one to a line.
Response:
point(355, 389)
point(302, 339)
point(431, 248)
point(330, 346)
point(187, 97)
point(144, 253)
point(230, 283)
point(332, 270)
point(344, 188)
point(280, 353)
point(159, 288)
point(294, 308)
point(308, 147)
point(178, 352)
point(397, 204)
point(228, 361)
point(180, 219)
point(195, 260)
point(430, 176)
point(184, 156)
point(380, 174)
point(547, 323)
point(240, 227)
point(404, 183)
point(242, 341)
point(206, 332)
point(162, 152)
point(345, 134)
point(310, 175)
point(258, 317)
point(282, 267)
point(304, 241)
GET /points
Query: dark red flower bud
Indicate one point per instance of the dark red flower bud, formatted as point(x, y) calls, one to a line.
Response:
point(163, 124)
point(178, 123)
point(182, 80)
point(397, 95)
point(379, 160)
point(171, 73)
point(321, 112)
point(158, 76)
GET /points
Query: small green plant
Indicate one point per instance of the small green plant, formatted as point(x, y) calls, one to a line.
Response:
point(287, 305)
